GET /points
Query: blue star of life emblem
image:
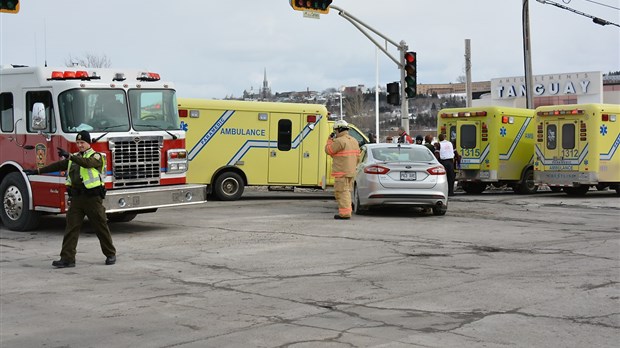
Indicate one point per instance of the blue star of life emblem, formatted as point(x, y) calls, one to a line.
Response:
point(183, 126)
point(604, 130)
point(502, 131)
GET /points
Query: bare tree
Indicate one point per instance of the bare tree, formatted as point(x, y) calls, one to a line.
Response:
point(90, 61)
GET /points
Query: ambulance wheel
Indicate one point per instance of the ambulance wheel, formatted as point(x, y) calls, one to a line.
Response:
point(527, 186)
point(358, 209)
point(121, 217)
point(474, 188)
point(228, 186)
point(578, 191)
point(15, 214)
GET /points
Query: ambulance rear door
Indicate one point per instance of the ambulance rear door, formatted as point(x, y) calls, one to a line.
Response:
point(563, 149)
point(284, 155)
point(468, 143)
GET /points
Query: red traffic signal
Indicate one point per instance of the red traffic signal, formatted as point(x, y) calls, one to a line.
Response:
point(411, 73)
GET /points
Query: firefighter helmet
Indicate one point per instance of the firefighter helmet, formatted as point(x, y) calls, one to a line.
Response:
point(341, 125)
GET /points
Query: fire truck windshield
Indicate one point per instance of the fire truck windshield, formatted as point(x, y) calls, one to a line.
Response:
point(99, 110)
point(93, 110)
point(153, 109)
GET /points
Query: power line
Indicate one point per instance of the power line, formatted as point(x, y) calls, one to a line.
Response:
point(596, 20)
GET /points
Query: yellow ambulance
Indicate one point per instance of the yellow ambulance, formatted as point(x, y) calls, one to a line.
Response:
point(577, 147)
point(496, 145)
point(232, 144)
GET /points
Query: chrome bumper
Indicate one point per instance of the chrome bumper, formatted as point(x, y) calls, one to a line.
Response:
point(154, 197)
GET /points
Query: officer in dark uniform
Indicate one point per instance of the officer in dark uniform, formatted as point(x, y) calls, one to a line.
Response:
point(86, 192)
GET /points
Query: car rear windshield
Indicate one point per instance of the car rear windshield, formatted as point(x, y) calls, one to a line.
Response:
point(403, 154)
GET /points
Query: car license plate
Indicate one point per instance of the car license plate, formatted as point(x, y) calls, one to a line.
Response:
point(407, 176)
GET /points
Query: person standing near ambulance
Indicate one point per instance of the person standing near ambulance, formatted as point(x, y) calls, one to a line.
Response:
point(403, 137)
point(446, 155)
point(345, 151)
point(86, 192)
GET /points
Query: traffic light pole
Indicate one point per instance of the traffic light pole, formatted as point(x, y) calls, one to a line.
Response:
point(404, 101)
point(402, 47)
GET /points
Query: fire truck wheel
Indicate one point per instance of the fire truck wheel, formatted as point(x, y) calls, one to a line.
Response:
point(15, 214)
point(121, 217)
point(577, 191)
point(228, 186)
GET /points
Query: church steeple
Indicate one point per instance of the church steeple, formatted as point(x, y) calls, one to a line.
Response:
point(265, 92)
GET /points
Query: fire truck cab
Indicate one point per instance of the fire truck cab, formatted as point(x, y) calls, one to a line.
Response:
point(496, 145)
point(133, 120)
point(577, 147)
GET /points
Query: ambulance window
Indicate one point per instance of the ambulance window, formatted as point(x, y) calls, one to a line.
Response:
point(452, 133)
point(44, 97)
point(468, 136)
point(6, 107)
point(551, 136)
point(284, 134)
point(568, 136)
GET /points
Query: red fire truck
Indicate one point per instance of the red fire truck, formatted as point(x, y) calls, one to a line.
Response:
point(133, 119)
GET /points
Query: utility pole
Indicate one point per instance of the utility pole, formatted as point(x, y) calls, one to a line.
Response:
point(468, 90)
point(527, 55)
point(404, 101)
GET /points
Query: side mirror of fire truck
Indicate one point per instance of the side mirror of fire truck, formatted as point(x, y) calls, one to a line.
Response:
point(38, 120)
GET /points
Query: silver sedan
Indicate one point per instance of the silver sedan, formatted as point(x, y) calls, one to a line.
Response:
point(406, 175)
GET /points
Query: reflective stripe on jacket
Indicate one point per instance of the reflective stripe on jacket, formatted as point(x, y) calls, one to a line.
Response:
point(90, 176)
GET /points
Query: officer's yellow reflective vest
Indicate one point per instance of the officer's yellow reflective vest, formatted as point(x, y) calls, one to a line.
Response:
point(90, 176)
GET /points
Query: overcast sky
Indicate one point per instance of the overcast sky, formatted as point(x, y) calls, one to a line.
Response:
point(213, 49)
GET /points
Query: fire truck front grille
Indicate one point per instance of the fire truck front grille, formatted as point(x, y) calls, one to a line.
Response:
point(136, 161)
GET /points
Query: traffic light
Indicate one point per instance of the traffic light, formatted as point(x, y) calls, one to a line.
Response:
point(411, 74)
point(10, 6)
point(321, 6)
point(393, 93)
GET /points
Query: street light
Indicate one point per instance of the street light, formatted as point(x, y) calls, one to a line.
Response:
point(340, 94)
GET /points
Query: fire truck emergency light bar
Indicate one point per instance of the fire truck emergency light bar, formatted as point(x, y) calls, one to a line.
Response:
point(83, 75)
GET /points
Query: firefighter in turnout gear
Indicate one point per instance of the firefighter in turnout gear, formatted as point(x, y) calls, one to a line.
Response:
point(86, 192)
point(345, 152)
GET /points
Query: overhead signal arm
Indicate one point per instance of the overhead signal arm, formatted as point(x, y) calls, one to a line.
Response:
point(400, 61)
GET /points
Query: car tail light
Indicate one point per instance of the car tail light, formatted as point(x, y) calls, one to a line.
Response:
point(376, 170)
point(439, 170)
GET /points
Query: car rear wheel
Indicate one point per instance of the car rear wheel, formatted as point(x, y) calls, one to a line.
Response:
point(440, 210)
point(358, 209)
